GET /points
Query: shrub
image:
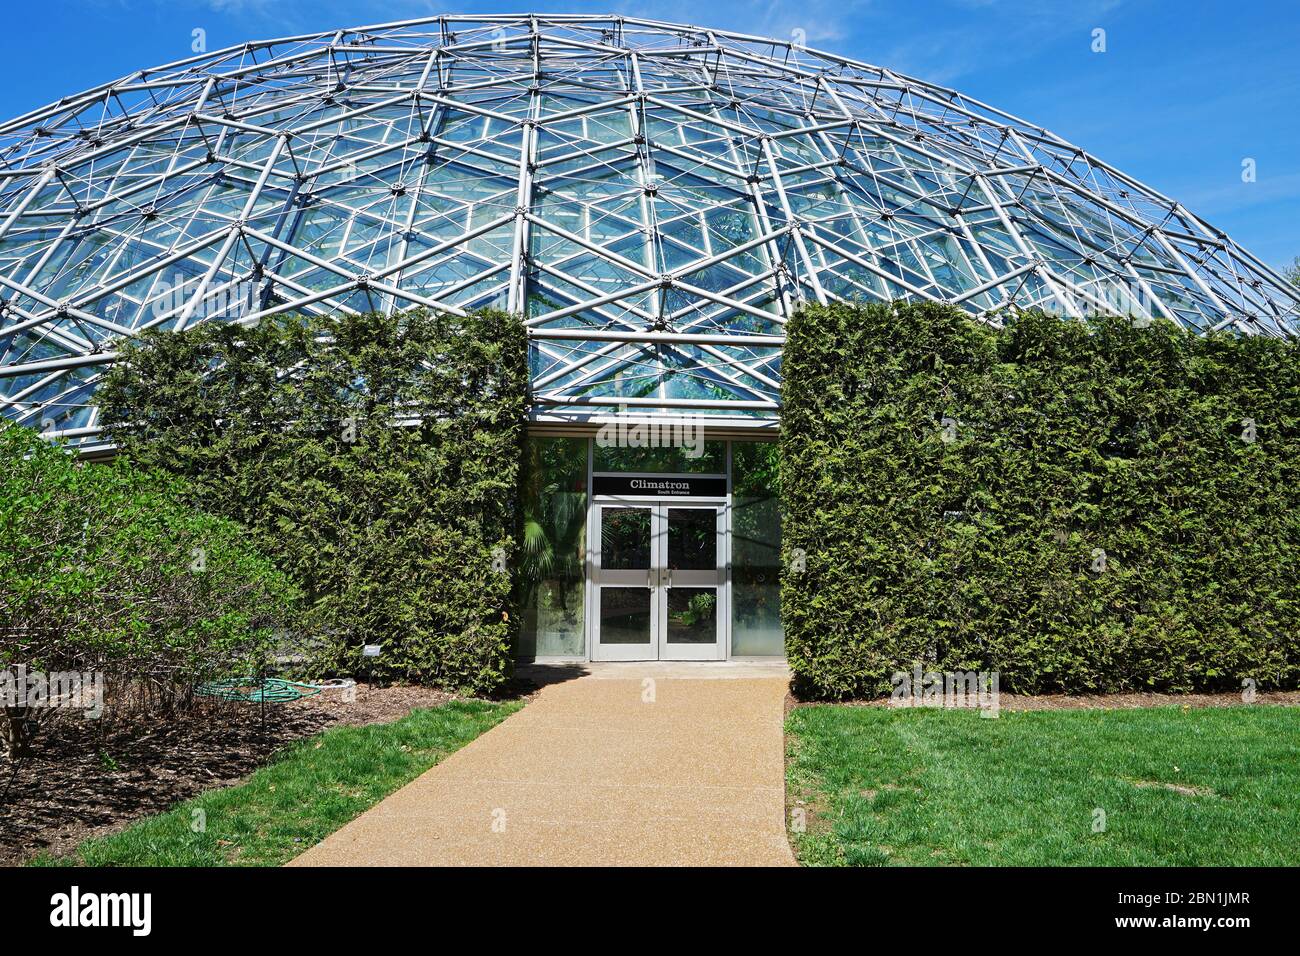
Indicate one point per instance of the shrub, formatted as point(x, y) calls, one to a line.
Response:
point(1081, 506)
point(377, 459)
point(105, 569)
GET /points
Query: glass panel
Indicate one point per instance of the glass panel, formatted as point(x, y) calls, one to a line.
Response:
point(693, 539)
point(554, 536)
point(692, 615)
point(624, 615)
point(682, 451)
point(625, 539)
point(756, 550)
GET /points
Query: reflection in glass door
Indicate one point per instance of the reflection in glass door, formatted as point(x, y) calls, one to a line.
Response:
point(657, 572)
point(689, 595)
point(626, 585)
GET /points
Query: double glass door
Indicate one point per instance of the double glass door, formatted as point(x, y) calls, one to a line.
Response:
point(658, 574)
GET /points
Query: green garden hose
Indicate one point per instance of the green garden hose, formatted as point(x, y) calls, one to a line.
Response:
point(262, 690)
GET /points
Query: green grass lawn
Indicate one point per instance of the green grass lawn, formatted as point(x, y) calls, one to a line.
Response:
point(1179, 787)
point(317, 785)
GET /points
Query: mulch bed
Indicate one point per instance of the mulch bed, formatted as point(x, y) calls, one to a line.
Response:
point(92, 777)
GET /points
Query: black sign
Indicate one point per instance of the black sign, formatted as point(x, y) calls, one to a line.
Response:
point(667, 486)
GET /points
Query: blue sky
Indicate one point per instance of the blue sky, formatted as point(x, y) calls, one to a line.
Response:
point(1184, 92)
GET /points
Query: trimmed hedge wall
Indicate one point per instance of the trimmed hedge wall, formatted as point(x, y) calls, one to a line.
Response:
point(1083, 507)
point(381, 471)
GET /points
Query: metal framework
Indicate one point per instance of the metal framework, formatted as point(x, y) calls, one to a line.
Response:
point(656, 199)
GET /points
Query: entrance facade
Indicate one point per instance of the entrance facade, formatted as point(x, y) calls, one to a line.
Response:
point(659, 581)
point(642, 553)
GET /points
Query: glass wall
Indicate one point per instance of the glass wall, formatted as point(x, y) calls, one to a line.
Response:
point(554, 545)
point(755, 550)
point(696, 457)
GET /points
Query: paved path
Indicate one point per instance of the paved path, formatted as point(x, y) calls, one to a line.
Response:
point(629, 765)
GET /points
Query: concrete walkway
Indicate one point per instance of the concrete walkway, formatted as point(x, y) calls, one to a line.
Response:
point(647, 764)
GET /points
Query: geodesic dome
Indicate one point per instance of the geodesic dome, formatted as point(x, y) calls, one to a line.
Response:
point(656, 199)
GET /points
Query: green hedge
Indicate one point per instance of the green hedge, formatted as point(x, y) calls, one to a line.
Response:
point(377, 458)
point(1081, 506)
